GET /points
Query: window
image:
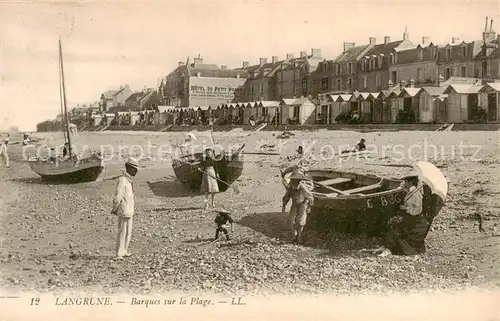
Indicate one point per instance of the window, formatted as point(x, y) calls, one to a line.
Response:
point(448, 53)
point(394, 77)
point(252, 88)
point(463, 72)
point(365, 82)
point(337, 69)
point(464, 52)
point(304, 85)
point(485, 68)
point(324, 83)
point(419, 74)
point(349, 83)
point(420, 54)
point(261, 87)
point(350, 68)
point(447, 73)
point(339, 84)
point(294, 90)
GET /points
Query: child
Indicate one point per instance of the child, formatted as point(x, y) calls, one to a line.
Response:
point(300, 192)
point(221, 220)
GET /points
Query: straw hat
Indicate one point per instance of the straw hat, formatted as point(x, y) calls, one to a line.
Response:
point(132, 162)
point(222, 210)
point(190, 137)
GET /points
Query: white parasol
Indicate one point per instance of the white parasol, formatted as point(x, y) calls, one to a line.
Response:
point(433, 177)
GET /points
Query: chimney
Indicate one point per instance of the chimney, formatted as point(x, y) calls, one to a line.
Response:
point(372, 40)
point(263, 61)
point(289, 56)
point(491, 25)
point(198, 60)
point(348, 45)
point(316, 52)
point(406, 34)
point(303, 54)
point(275, 59)
point(425, 40)
point(181, 63)
point(223, 67)
point(486, 24)
point(387, 39)
point(245, 64)
point(455, 40)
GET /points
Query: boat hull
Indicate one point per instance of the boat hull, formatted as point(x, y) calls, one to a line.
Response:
point(68, 171)
point(365, 212)
point(230, 169)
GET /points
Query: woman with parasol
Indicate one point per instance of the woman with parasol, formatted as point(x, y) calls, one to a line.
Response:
point(209, 184)
point(425, 197)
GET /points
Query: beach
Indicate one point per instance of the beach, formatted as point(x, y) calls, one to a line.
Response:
point(62, 237)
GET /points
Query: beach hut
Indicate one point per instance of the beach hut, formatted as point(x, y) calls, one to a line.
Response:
point(431, 104)
point(395, 103)
point(462, 103)
point(410, 101)
point(301, 111)
point(491, 91)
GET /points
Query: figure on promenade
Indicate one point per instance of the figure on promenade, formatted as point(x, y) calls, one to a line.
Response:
point(124, 207)
point(4, 156)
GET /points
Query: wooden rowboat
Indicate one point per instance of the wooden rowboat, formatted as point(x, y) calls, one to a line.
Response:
point(73, 170)
point(353, 202)
point(229, 166)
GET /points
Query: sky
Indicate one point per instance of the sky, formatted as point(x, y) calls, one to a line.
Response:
point(107, 44)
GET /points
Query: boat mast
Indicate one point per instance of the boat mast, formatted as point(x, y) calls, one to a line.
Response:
point(64, 98)
point(61, 100)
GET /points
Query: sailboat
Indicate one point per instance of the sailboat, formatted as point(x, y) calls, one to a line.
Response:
point(71, 168)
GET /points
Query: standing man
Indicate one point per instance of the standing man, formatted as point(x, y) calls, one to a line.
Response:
point(300, 191)
point(3, 151)
point(124, 207)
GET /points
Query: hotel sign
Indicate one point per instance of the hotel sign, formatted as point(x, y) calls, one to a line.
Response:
point(217, 92)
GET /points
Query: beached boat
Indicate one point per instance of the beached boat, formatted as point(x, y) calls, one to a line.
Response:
point(229, 166)
point(70, 169)
point(353, 202)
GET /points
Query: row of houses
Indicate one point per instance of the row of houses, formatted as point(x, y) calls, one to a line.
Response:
point(388, 68)
point(455, 103)
point(370, 67)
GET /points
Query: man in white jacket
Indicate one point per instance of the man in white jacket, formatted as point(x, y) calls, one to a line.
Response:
point(124, 207)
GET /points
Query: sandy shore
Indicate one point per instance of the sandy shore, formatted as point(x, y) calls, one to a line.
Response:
point(61, 237)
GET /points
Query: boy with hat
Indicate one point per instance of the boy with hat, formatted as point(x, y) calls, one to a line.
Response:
point(222, 218)
point(124, 207)
point(300, 191)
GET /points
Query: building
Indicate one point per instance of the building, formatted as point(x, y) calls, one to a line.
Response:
point(374, 67)
point(115, 98)
point(261, 83)
point(417, 65)
point(287, 78)
point(457, 59)
point(341, 76)
point(487, 61)
point(199, 84)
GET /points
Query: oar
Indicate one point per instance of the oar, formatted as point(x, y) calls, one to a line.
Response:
point(233, 186)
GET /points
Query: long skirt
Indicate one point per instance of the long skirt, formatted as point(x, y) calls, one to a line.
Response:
point(208, 183)
point(408, 237)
